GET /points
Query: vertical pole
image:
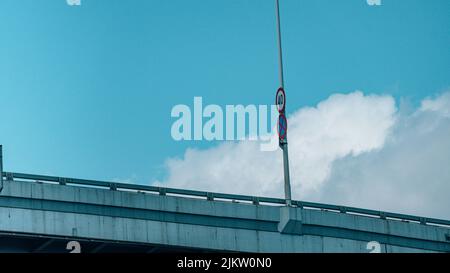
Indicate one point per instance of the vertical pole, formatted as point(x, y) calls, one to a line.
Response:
point(280, 51)
point(287, 180)
point(1, 168)
point(284, 145)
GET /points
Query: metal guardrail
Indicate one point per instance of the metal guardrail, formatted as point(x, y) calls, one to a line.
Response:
point(211, 196)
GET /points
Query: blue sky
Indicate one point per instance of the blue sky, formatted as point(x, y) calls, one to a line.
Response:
point(87, 91)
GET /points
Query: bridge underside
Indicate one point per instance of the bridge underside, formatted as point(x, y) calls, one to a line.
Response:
point(32, 243)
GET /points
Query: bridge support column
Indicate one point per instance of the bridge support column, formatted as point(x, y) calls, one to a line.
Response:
point(290, 220)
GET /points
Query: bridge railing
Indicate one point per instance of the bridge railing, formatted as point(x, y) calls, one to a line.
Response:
point(222, 196)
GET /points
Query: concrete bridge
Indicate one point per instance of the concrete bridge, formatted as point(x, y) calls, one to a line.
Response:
point(43, 213)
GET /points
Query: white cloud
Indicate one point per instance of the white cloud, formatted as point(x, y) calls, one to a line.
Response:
point(351, 149)
point(441, 104)
point(340, 126)
point(410, 174)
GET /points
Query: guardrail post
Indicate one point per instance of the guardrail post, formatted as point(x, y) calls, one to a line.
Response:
point(9, 176)
point(1, 168)
point(62, 181)
point(299, 204)
point(210, 196)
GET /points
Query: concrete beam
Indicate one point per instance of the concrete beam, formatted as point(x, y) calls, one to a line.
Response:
point(42, 246)
point(99, 247)
point(290, 220)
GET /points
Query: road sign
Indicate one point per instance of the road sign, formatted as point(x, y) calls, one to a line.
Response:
point(282, 127)
point(280, 100)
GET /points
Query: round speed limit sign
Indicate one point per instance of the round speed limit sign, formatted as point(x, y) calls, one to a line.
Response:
point(280, 100)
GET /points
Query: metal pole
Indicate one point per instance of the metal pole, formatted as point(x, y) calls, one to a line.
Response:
point(280, 51)
point(287, 180)
point(1, 168)
point(284, 145)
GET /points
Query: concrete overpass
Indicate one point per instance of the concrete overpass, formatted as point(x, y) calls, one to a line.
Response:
point(43, 213)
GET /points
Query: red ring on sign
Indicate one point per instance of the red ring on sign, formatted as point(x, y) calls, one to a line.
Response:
point(282, 136)
point(281, 89)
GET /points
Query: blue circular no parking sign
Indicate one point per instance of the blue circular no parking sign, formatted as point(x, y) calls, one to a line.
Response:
point(282, 127)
